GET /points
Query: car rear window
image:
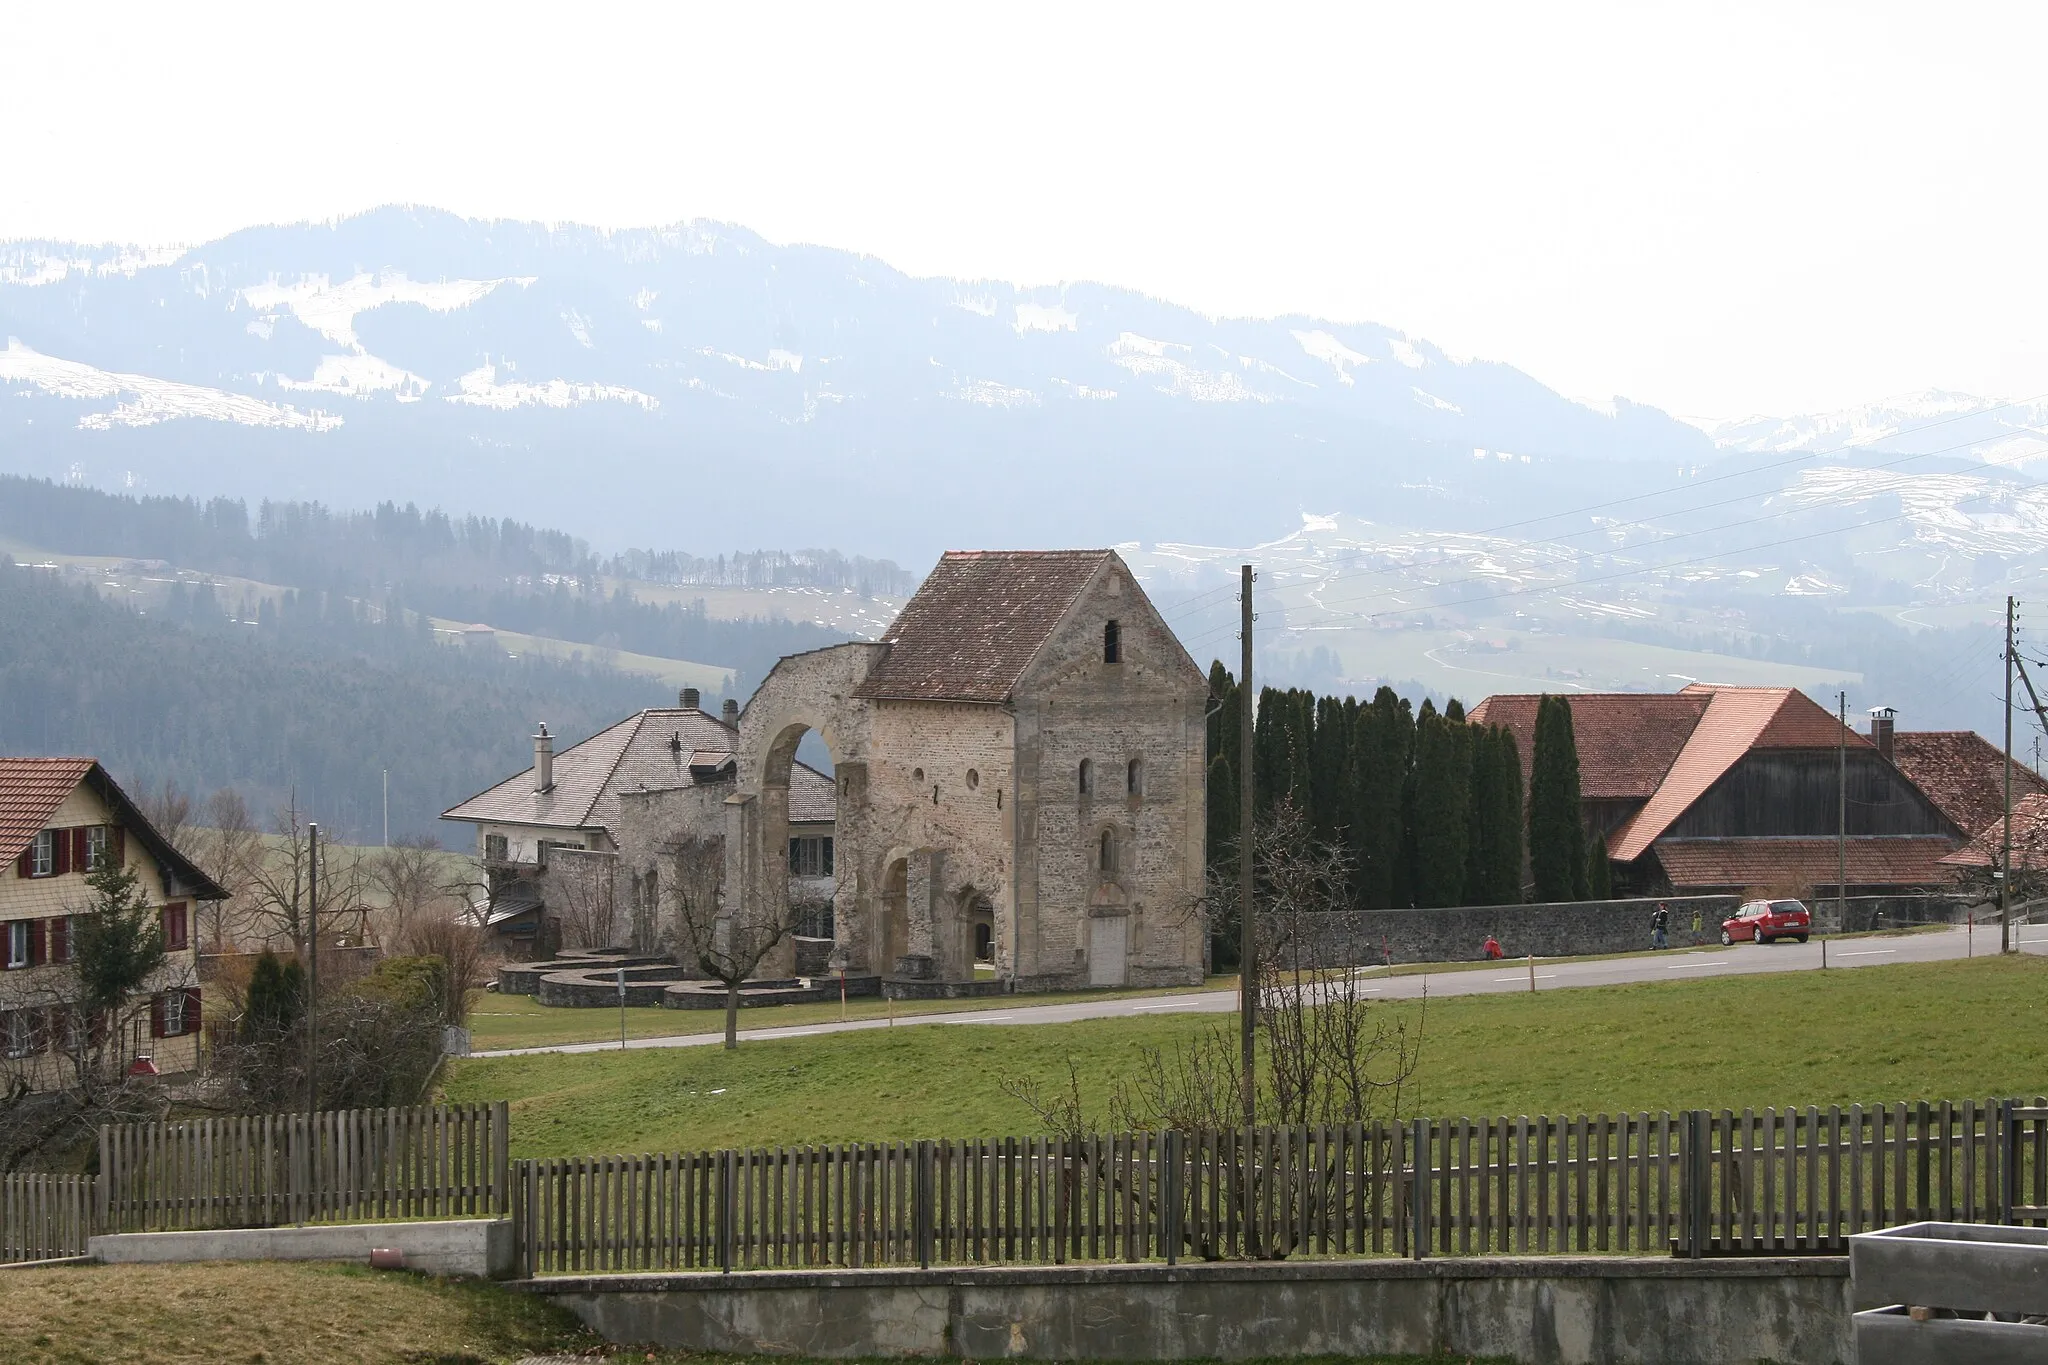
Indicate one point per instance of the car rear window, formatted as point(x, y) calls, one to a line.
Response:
point(1788, 907)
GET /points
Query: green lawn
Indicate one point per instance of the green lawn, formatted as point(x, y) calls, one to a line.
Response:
point(506, 1021)
point(1933, 1030)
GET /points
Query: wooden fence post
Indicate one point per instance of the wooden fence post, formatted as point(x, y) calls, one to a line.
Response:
point(1170, 1195)
point(1418, 1192)
point(725, 1210)
point(921, 1204)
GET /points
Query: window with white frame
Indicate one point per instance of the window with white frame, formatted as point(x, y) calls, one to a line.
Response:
point(43, 855)
point(18, 1028)
point(174, 1013)
point(17, 943)
point(96, 844)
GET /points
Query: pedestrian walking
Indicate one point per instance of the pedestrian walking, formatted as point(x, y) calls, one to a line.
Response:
point(1660, 924)
point(1492, 949)
point(1696, 939)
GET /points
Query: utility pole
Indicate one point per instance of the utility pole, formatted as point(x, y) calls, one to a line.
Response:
point(1841, 821)
point(387, 808)
point(2005, 854)
point(1247, 967)
point(312, 970)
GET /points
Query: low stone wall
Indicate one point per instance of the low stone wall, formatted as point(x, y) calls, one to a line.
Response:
point(477, 1246)
point(1864, 913)
point(1538, 1310)
point(523, 978)
point(598, 987)
point(1562, 929)
point(710, 995)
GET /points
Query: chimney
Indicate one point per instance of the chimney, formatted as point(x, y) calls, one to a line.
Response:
point(543, 760)
point(732, 713)
point(1881, 721)
point(689, 698)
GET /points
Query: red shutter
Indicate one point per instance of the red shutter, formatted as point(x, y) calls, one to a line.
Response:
point(156, 1016)
point(192, 1011)
point(60, 852)
point(25, 865)
point(38, 942)
point(177, 926)
point(60, 939)
point(81, 856)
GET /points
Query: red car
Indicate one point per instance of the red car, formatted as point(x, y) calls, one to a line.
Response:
point(1767, 922)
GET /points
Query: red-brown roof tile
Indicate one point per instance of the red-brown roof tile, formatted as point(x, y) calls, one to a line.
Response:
point(1796, 865)
point(2029, 835)
point(1963, 774)
point(977, 622)
point(1627, 740)
point(31, 789)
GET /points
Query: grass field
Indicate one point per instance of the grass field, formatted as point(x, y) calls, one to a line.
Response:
point(1931, 1030)
point(282, 1313)
point(504, 1021)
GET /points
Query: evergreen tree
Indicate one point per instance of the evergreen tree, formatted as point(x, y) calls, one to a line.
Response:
point(1223, 740)
point(118, 943)
point(1557, 832)
point(1493, 858)
point(1382, 737)
point(1440, 806)
point(1507, 861)
point(1599, 872)
point(1329, 762)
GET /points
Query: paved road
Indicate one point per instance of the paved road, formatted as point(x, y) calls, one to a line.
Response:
point(1508, 978)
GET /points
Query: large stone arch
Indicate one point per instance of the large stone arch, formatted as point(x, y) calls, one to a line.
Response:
point(805, 692)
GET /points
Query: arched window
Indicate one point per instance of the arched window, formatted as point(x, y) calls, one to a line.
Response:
point(1106, 860)
point(1087, 777)
point(1134, 777)
point(1112, 645)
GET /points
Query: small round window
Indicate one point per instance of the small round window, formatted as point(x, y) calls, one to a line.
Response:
point(973, 780)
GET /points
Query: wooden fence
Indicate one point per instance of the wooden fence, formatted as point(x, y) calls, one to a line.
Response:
point(1695, 1183)
point(443, 1161)
point(43, 1217)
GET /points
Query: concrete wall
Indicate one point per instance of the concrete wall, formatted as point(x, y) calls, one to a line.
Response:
point(1458, 933)
point(476, 1246)
point(1543, 1311)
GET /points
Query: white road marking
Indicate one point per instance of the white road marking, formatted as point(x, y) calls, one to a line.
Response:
point(1685, 966)
point(1178, 1005)
point(1540, 976)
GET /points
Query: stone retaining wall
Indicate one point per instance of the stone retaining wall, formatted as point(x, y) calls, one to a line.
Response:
point(1539, 1310)
point(1563, 929)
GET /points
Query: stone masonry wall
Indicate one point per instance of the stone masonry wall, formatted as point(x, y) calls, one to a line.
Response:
point(1458, 933)
point(1149, 706)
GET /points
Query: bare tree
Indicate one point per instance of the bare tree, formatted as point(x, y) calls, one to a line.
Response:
point(408, 873)
point(444, 929)
point(227, 847)
point(168, 808)
point(727, 948)
point(279, 896)
point(582, 895)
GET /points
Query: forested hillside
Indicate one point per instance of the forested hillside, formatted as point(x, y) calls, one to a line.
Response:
point(319, 695)
point(506, 573)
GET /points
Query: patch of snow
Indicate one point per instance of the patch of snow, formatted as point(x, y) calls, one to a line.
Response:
point(786, 360)
point(976, 303)
point(651, 324)
point(1310, 521)
point(1341, 358)
point(1430, 400)
point(359, 376)
point(261, 328)
point(1606, 407)
point(991, 394)
point(30, 269)
point(1038, 317)
point(579, 327)
point(1402, 351)
point(147, 401)
point(644, 300)
point(330, 309)
point(481, 389)
point(1144, 356)
point(1083, 391)
point(777, 360)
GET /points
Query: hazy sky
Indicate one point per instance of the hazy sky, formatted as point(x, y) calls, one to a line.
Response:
point(1721, 209)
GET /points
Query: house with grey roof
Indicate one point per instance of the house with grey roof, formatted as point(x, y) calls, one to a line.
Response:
point(553, 838)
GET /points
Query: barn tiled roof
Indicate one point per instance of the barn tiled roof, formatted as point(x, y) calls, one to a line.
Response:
point(31, 789)
point(977, 622)
point(1737, 720)
point(1795, 865)
point(653, 749)
point(1963, 774)
point(1627, 741)
point(2029, 834)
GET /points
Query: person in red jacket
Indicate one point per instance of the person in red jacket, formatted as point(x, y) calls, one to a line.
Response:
point(1493, 953)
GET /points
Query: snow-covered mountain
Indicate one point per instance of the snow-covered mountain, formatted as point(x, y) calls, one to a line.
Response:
point(700, 386)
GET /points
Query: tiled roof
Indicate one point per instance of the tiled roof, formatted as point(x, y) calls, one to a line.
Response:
point(1963, 774)
point(31, 789)
point(1737, 720)
point(2029, 834)
point(1627, 741)
point(813, 797)
point(977, 622)
point(1794, 865)
point(652, 749)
